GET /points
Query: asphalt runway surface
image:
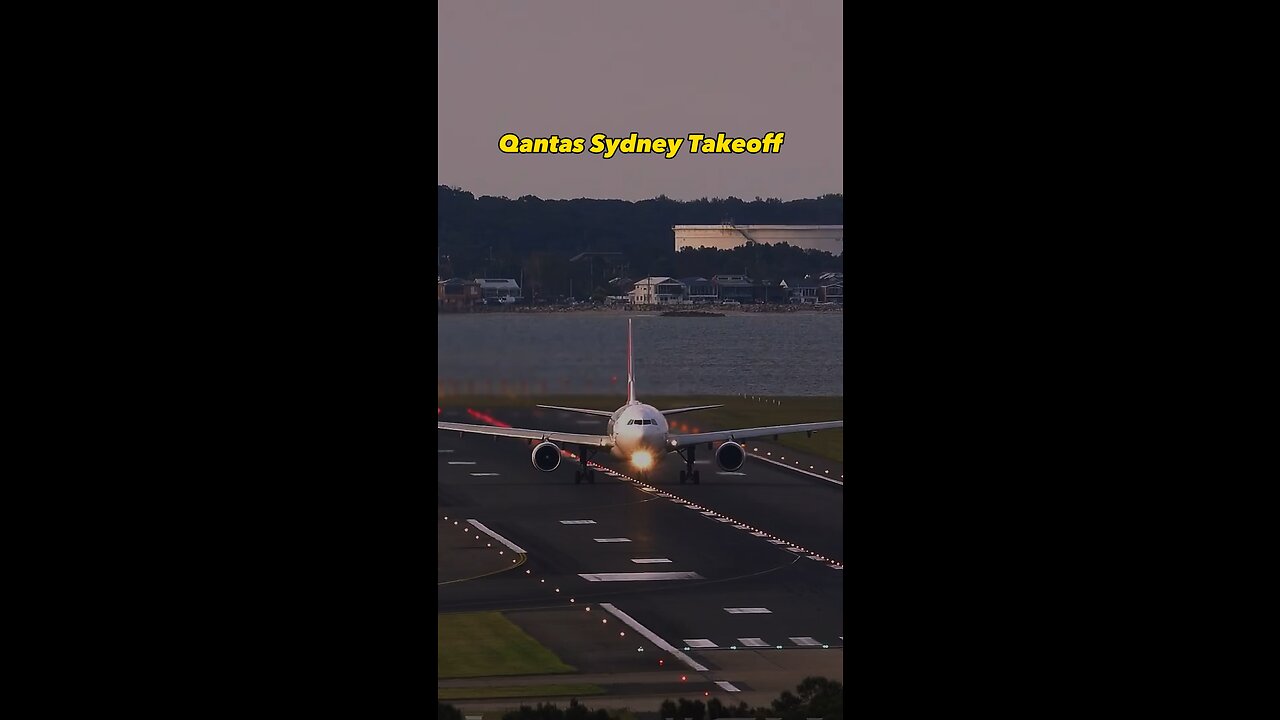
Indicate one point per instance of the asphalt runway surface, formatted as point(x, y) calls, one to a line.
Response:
point(758, 555)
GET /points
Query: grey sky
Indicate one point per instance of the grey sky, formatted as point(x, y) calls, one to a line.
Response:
point(665, 68)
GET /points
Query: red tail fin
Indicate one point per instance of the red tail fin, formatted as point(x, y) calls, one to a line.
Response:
point(631, 377)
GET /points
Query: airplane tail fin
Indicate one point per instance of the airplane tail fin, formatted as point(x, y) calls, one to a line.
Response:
point(631, 377)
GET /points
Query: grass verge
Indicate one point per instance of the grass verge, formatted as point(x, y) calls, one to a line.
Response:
point(485, 644)
point(519, 691)
point(737, 412)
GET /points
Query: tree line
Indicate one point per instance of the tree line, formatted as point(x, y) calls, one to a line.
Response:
point(534, 240)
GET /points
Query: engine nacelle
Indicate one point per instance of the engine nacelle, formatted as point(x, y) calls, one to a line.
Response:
point(546, 457)
point(730, 456)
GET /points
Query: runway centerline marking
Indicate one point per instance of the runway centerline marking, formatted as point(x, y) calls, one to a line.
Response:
point(484, 475)
point(700, 643)
point(727, 686)
point(462, 462)
point(480, 526)
point(749, 611)
point(639, 576)
point(651, 637)
point(726, 472)
point(577, 522)
point(752, 642)
point(438, 450)
point(643, 561)
point(612, 539)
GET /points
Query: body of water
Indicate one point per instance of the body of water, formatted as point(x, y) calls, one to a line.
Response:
point(585, 353)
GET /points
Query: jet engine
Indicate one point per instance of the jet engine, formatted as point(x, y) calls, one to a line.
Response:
point(730, 456)
point(546, 457)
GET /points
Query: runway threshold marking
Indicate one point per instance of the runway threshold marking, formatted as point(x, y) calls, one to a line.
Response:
point(480, 526)
point(639, 576)
point(805, 641)
point(700, 643)
point(752, 642)
point(651, 637)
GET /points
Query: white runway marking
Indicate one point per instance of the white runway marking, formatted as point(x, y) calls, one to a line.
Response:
point(727, 686)
point(701, 462)
point(462, 462)
point(726, 472)
point(752, 642)
point(639, 576)
point(760, 534)
point(649, 489)
point(805, 642)
point(778, 542)
point(806, 472)
point(748, 611)
point(484, 475)
point(795, 550)
point(612, 539)
point(709, 513)
point(700, 643)
point(648, 634)
point(643, 561)
point(743, 527)
point(443, 451)
point(577, 522)
point(480, 526)
point(723, 519)
point(813, 557)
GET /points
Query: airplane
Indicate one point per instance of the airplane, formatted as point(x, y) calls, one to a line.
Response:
point(639, 433)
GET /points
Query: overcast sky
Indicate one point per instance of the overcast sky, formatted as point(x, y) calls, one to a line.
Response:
point(665, 68)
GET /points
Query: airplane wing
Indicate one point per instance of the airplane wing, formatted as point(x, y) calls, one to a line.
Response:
point(584, 411)
point(552, 435)
point(688, 409)
point(679, 441)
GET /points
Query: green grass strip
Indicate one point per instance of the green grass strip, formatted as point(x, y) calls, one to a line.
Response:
point(487, 644)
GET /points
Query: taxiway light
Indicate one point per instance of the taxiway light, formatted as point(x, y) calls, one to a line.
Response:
point(446, 517)
point(622, 634)
point(488, 544)
point(683, 678)
point(810, 467)
point(604, 621)
point(661, 662)
point(557, 589)
point(706, 694)
point(570, 599)
point(499, 552)
point(455, 522)
point(526, 572)
point(588, 608)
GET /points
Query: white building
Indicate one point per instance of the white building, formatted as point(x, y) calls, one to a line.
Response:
point(498, 288)
point(657, 291)
point(829, 238)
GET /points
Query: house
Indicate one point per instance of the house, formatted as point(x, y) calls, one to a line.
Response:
point(831, 288)
point(457, 293)
point(699, 289)
point(657, 291)
point(500, 289)
point(802, 290)
point(734, 287)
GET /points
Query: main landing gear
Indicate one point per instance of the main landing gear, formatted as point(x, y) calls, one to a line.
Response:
point(585, 473)
point(689, 475)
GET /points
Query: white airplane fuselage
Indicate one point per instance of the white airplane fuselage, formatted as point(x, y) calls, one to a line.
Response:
point(639, 428)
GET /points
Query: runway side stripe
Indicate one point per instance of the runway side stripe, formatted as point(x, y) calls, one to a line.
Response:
point(480, 526)
point(727, 686)
point(806, 472)
point(639, 576)
point(648, 634)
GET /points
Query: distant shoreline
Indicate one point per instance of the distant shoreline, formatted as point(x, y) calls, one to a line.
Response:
point(541, 309)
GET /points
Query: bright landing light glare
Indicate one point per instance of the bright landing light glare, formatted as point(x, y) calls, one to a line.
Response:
point(642, 459)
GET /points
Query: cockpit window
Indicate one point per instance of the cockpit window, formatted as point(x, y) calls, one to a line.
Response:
point(631, 422)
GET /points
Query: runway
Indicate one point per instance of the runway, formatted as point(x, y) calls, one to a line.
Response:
point(750, 560)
